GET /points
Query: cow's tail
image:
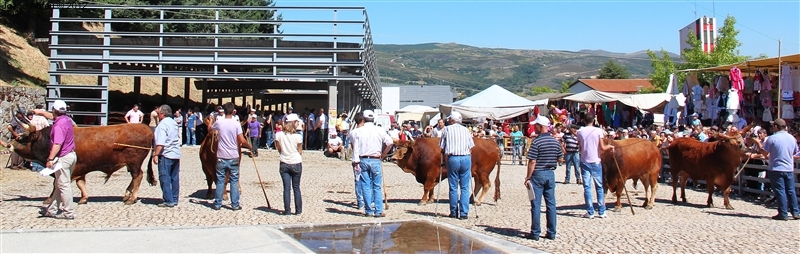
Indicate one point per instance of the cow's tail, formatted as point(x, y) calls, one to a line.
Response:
point(151, 178)
point(497, 182)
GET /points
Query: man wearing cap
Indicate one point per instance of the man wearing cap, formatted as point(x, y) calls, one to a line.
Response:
point(543, 157)
point(456, 144)
point(335, 146)
point(62, 151)
point(370, 145)
point(781, 147)
point(572, 157)
point(591, 142)
point(167, 155)
point(695, 120)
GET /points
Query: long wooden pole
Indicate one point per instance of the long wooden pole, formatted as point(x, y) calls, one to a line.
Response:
point(780, 82)
point(261, 183)
point(622, 182)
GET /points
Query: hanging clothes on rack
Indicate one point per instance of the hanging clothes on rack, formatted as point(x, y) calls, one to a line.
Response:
point(767, 115)
point(787, 111)
point(786, 78)
point(736, 80)
point(733, 100)
point(795, 74)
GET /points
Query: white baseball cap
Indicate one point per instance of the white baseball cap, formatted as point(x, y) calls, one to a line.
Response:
point(292, 117)
point(542, 120)
point(368, 113)
point(59, 105)
point(456, 116)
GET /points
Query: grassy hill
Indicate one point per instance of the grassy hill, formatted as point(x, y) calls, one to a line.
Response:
point(471, 69)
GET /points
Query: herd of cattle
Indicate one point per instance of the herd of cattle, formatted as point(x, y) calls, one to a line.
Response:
point(109, 148)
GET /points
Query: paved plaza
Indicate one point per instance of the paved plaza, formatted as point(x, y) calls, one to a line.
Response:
point(327, 186)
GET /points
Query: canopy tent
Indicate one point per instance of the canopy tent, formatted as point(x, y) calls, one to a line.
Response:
point(415, 113)
point(654, 102)
point(494, 103)
point(594, 96)
point(770, 63)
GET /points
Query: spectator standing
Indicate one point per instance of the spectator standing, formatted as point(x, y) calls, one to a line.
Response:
point(500, 139)
point(358, 119)
point(290, 147)
point(180, 122)
point(167, 155)
point(368, 151)
point(153, 119)
point(134, 115)
point(230, 140)
point(15, 127)
point(62, 151)
point(572, 155)
point(516, 140)
point(322, 129)
point(590, 139)
point(269, 130)
point(781, 147)
point(543, 157)
point(311, 131)
point(437, 131)
point(191, 123)
point(254, 134)
point(456, 143)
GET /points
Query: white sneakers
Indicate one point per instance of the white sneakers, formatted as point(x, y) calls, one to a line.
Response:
point(591, 216)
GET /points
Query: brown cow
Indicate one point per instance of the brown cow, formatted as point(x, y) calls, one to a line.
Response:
point(639, 159)
point(96, 151)
point(208, 159)
point(423, 159)
point(715, 162)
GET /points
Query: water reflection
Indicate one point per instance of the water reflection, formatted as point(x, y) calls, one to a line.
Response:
point(403, 237)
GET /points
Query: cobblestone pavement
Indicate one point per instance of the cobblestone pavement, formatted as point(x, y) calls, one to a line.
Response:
point(327, 186)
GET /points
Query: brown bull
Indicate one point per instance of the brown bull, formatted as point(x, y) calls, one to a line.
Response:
point(715, 162)
point(423, 159)
point(639, 159)
point(208, 159)
point(96, 150)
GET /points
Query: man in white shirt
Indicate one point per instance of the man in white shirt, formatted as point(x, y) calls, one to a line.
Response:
point(437, 131)
point(335, 145)
point(370, 145)
point(322, 128)
point(134, 115)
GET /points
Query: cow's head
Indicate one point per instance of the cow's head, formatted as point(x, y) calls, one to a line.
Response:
point(32, 144)
point(732, 141)
point(404, 148)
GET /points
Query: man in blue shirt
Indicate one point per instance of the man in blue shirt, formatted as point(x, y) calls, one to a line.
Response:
point(781, 148)
point(167, 155)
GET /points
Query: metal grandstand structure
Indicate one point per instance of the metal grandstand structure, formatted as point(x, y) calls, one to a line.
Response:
point(336, 68)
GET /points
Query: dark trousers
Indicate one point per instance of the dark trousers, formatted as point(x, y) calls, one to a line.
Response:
point(290, 176)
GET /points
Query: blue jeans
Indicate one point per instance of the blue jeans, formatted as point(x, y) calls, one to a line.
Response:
point(359, 190)
point(254, 144)
point(516, 152)
point(593, 173)
point(223, 166)
point(191, 138)
point(343, 136)
point(168, 172)
point(270, 138)
point(543, 182)
point(573, 159)
point(459, 171)
point(290, 176)
point(371, 179)
point(783, 187)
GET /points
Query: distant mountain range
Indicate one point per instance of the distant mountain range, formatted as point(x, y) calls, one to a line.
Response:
point(470, 69)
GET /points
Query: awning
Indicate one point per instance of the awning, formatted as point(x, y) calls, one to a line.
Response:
point(594, 96)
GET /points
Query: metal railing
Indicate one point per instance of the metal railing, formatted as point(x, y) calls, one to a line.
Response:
point(348, 56)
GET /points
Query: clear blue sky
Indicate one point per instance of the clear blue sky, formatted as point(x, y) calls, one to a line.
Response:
point(617, 26)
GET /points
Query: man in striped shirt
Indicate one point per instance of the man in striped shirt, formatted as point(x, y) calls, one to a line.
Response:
point(371, 144)
point(456, 143)
point(543, 158)
point(571, 154)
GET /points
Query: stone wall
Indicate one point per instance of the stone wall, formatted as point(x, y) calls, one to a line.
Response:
point(10, 97)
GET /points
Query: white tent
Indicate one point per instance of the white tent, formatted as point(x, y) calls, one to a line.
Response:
point(594, 96)
point(494, 103)
point(416, 113)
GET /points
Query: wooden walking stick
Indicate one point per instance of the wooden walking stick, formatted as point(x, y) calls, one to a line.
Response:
point(622, 181)
point(261, 183)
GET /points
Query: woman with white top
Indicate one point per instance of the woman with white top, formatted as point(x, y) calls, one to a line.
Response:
point(290, 146)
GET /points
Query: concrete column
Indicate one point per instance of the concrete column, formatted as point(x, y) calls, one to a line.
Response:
point(164, 89)
point(137, 89)
point(333, 95)
point(186, 82)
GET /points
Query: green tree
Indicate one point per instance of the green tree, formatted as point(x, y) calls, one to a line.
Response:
point(565, 85)
point(612, 70)
point(662, 67)
point(537, 90)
